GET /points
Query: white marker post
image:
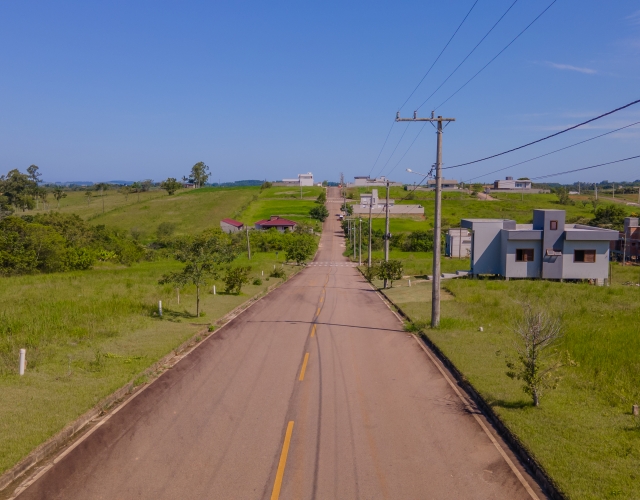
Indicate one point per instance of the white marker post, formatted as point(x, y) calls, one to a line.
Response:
point(160, 308)
point(214, 289)
point(409, 282)
point(23, 361)
point(262, 273)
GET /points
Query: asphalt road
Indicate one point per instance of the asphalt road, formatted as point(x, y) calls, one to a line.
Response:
point(314, 392)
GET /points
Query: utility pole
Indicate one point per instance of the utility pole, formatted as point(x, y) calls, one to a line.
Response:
point(596, 186)
point(300, 188)
point(360, 252)
point(578, 188)
point(344, 194)
point(371, 203)
point(386, 233)
point(435, 290)
point(248, 244)
point(639, 196)
point(613, 191)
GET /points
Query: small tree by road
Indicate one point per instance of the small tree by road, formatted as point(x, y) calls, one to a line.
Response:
point(390, 270)
point(537, 333)
point(319, 212)
point(171, 185)
point(203, 257)
point(299, 247)
point(322, 198)
point(235, 277)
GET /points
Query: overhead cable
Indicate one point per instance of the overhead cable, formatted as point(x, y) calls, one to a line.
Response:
point(394, 150)
point(382, 148)
point(552, 152)
point(440, 54)
point(547, 137)
point(498, 54)
point(467, 57)
point(584, 168)
point(410, 145)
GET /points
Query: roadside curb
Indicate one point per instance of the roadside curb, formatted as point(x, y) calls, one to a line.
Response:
point(121, 397)
point(514, 443)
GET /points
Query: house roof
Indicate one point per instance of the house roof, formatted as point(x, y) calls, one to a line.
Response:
point(233, 222)
point(276, 222)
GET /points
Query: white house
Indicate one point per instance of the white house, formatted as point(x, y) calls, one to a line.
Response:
point(458, 243)
point(510, 183)
point(371, 201)
point(302, 180)
point(548, 248)
point(444, 183)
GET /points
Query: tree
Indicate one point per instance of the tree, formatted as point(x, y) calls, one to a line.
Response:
point(203, 257)
point(199, 173)
point(322, 198)
point(18, 188)
point(265, 185)
point(390, 270)
point(563, 196)
point(165, 230)
point(609, 215)
point(88, 195)
point(235, 277)
point(126, 191)
point(171, 185)
point(537, 333)
point(347, 208)
point(34, 177)
point(58, 194)
point(299, 247)
point(136, 187)
point(146, 185)
point(319, 212)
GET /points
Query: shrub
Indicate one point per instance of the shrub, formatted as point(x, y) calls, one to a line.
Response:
point(319, 212)
point(235, 277)
point(257, 282)
point(299, 247)
point(278, 272)
point(390, 270)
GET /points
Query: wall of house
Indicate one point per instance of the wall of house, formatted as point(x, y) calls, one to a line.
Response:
point(583, 270)
point(513, 269)
point(455, 246)
point(228, 228)
point(486, 245)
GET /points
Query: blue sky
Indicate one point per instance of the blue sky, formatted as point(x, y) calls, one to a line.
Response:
point(133, 90)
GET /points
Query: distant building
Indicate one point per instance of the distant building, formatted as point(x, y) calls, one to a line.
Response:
point(366, 181)
point(302, 180)
point(231, 226)
point(627, 247)
point(458, 243)
point(378, 206)
point(509, 183)
point(278, 222)
point(548, 248)
point(445, 184)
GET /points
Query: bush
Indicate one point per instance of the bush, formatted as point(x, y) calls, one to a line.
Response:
point(165, 230)
point(235, 277)
point(278, 272)
point(611, 216)
point(390, 270)
point(257, 282)
point(419, 241)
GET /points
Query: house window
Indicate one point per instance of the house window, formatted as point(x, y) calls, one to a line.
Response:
point(587, 256)
point(553, 225)
point(524, 255)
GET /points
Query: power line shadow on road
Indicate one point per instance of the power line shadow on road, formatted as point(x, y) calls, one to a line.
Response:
point(293, 322)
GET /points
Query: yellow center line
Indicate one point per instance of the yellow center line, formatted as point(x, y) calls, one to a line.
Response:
point(318, 312)
point(275, 494)
point(313, 331)
point(304, 367)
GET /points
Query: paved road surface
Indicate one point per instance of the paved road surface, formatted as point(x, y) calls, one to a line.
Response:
point(321, 369)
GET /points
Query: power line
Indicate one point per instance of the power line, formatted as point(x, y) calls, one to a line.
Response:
point(410, 145)
point(547, 137)
point(382, 148)
point(437, 58)
point(584, 168)
point(467, 56)
point(497, 55)
point(552, 152)
point(394, 150)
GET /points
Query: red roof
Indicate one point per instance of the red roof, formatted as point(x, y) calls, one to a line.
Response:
point(233, 222)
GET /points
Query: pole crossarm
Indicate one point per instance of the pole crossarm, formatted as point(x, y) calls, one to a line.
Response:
point(416, 119)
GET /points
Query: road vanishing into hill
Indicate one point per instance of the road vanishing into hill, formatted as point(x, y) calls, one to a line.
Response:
point(315, 392)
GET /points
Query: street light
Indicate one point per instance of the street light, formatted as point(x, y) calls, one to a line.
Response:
point(417, 173)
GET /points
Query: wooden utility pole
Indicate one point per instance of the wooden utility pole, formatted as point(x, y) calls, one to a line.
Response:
point(360, 251)
point(435, 290)
point(386, 233)
point(248, 244)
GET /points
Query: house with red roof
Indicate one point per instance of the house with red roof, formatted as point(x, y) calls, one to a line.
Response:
point(231, 226)
point(278, 222)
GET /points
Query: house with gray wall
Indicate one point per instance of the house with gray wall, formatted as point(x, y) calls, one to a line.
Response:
point(458, 243)
point(549, 248)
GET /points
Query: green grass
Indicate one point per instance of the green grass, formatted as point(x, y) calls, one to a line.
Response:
point(87, 334)
point(279, 192)
point(583, 433)
point(417, 264)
